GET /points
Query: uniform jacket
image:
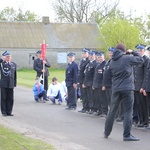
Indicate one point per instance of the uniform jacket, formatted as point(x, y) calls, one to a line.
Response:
point(38, 66)
point(37, 90)
point(147, 79)
point(71, 74)
point(140, 74)
point(81, 68)
point(121, 67)
point(107, 77)
point(8, 74)
point(98, 74)
point(89, 73)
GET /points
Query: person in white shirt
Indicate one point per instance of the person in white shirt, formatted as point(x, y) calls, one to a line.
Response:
point(53, 92)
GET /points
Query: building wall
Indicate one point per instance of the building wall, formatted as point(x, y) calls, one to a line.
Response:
point(24, 58)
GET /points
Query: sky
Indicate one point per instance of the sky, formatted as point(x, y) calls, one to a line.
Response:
point(44, 7)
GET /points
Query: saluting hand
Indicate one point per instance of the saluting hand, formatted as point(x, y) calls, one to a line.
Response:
point(144, 93)
point(74, 85)
point(103, 88)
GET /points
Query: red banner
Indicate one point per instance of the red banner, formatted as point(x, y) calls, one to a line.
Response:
point(43, 49)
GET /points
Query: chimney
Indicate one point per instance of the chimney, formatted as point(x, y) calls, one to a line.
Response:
point(45, 20)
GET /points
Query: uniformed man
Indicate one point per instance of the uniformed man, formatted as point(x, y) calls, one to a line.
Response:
point(139, 81)
point(71, 82)
point(107, 80)
point(7, 83)
point(83, 62)
point(100, 101)
point(88, 81)
point(42, 69)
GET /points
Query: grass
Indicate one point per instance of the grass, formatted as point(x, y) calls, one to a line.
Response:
point(10, 140)
point(26, 77)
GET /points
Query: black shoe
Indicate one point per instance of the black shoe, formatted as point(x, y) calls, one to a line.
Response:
point(119, 119)
point(70, 108)
point(105, 136)
point(131, 138)
point(140, 125)
point(4, 115)
point(80, 110)
point(10, 115)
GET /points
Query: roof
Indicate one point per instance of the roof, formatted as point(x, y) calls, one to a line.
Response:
point(56, 35)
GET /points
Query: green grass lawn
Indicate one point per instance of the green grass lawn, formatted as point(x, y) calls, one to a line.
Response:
point(26, 77)
point(10, 140)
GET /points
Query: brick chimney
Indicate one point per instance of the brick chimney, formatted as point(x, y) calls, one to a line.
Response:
point(45, 19)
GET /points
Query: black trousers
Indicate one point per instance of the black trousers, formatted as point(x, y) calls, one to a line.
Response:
point(72, 97)
point(142, 107)
point(7, 100)
point(45, 83)
point(127, 98)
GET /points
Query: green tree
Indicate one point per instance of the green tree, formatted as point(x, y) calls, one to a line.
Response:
point(9, 14)
point(118, 30)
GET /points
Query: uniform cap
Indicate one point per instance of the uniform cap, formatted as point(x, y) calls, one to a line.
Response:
point(6, 53)
point(100, 54)
point(111, 49)
point(140, 46)
point(39, 52)
point(71, 54)
point(92, 52)
point(85, 50)
point(148, 48)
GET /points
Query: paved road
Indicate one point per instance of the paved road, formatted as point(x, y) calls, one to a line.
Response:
point(67, 130)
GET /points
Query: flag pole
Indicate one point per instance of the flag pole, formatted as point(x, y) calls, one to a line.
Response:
point(43, 49)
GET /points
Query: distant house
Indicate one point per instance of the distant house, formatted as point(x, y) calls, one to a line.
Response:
point(23, 39)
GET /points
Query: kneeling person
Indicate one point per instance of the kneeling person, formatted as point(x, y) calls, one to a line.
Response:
point(39, 91)
point(53, 92)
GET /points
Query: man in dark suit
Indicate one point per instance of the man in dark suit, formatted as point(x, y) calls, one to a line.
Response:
point(41, 67)
point(100, 101)
point(121, 68)
point(7, 83)
point(88, 81)
point(71, 82)
point(81, 75)
point(139, 81)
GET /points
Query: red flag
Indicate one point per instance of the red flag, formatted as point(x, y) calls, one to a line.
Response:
point(43, 49)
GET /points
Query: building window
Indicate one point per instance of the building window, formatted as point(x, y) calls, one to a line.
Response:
point(61, 57)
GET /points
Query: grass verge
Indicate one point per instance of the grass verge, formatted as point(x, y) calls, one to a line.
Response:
point(10, 140)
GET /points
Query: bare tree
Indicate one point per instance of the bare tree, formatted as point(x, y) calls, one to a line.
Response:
point(83, 10)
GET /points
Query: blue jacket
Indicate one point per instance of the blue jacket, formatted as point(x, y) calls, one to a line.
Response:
point(71, 74)
point(36, 91)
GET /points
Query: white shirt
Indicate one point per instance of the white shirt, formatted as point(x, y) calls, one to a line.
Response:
point(53, 89)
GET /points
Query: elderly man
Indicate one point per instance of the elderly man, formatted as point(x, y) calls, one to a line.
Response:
point(71, 82)
point(122, 89)
point(7, 83)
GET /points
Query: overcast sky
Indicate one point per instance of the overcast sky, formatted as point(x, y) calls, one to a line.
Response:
point(44, 8)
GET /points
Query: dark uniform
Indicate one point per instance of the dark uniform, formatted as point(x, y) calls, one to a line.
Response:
point(100, 101)
point(107, 78)
point(71, 78)
point(147, 88)
point(140, 100)
point(81, 76)
point(38, 67)
point(88, 82)
point(7, 83)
